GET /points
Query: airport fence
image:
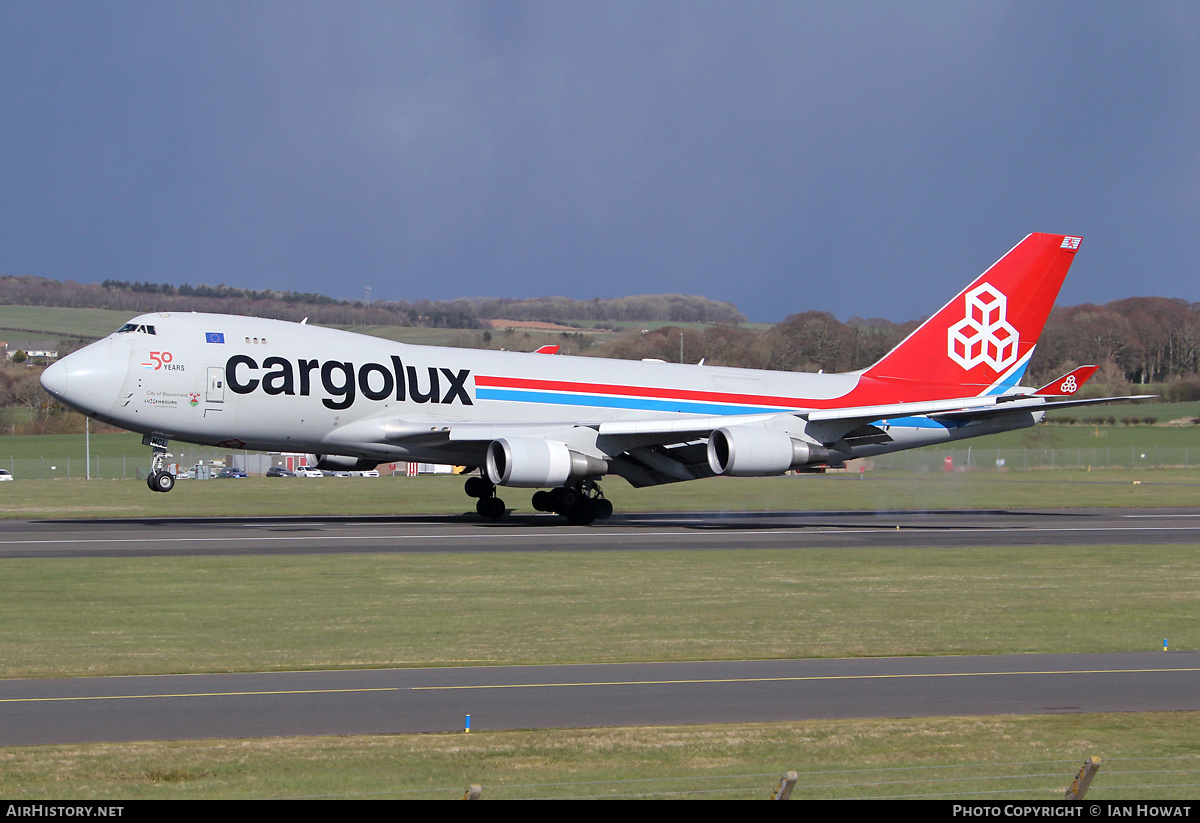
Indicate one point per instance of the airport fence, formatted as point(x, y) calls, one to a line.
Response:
point(1040, 781)
point(960, 458)
point(129, 466)
point(976, 458)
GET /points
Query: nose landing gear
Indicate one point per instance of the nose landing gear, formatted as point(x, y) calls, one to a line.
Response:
point(160, 480)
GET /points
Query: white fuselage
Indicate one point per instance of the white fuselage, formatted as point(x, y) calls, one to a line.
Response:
point(279, 386)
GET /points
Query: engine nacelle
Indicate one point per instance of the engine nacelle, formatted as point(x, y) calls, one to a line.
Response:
point(339, 462)
point(751, 451)
point(534, 463)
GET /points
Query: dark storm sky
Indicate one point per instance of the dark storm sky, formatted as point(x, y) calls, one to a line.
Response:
point(865, 158)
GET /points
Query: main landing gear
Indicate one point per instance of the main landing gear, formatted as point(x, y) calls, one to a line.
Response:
point(581, 503)
point(488, 505)
point(160, 480)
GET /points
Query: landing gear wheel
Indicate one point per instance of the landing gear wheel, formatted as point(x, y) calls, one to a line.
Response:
point(604, 508)
point(478, 487)
point(159, 479)
point(488, 504)
point(490, 507)
point(582, 513)
point(581, 503)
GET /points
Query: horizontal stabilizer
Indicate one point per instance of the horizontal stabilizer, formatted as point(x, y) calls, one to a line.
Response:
point(1037, 403)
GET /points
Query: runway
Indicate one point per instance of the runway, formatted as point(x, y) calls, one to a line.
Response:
point(176, 707)
point(151, 537)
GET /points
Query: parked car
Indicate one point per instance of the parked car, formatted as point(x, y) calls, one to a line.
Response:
point(305, 471)
point(5, 474)
point(280, 471)
point(228, 473)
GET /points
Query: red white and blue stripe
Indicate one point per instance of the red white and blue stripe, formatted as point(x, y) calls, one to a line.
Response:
point(638, 398)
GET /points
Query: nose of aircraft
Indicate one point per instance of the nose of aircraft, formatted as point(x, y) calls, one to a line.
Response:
point(90, 379)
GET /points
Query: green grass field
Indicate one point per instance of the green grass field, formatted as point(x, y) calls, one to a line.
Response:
point(1000, 760)
point(114, 616)
point(443, 494)
point(43, 322)
point(1165, 412)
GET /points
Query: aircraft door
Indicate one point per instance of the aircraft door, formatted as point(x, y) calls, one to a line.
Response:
point(216, 385)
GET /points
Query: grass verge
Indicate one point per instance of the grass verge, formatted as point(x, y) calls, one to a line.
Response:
point(114, 616)
point(997, 759)
point(443, 494)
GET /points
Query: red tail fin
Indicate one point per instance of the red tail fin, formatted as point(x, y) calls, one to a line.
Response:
point(984, 336)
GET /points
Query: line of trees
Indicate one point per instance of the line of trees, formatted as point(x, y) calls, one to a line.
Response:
point(1148, 339)
point(810, 341)
point(668, 308)
point(1139, 340)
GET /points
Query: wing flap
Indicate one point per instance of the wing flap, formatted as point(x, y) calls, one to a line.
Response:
point(867, 413)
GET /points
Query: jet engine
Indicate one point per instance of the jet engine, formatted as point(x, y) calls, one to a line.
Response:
point(750, 451)
point(534, 463)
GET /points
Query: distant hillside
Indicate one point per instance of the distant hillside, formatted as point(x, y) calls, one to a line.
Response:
point(285, 305)
point(1139, 340)
point(651, 308)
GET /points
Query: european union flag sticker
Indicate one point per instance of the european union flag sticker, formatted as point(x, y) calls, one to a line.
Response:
point(214, 337)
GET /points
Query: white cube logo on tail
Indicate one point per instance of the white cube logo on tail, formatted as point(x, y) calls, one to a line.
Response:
point(984, 335)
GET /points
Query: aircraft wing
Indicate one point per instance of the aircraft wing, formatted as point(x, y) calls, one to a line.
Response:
point(645, 452)
point(653, 451)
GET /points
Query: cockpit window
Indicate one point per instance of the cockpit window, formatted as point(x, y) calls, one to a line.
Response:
point(138, 327)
